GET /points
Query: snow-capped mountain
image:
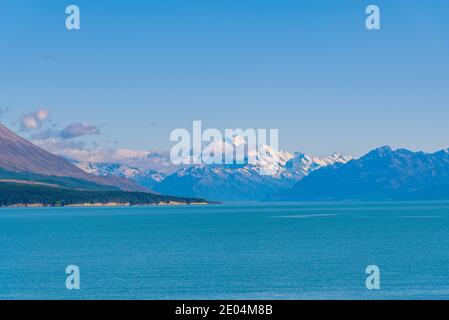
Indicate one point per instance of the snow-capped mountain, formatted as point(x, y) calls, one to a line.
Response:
point(243, 182)
point(145, 178)
point(264, 171)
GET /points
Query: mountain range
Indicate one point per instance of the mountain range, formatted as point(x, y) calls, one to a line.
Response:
point(383, 174)
point(225, 182)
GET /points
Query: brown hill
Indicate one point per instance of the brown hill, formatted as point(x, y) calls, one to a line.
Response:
point(19, 155)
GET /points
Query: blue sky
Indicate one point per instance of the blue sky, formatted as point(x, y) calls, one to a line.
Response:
point(139, 69)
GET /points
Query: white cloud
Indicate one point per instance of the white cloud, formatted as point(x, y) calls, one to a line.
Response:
point(34, 120)
point(78, 150)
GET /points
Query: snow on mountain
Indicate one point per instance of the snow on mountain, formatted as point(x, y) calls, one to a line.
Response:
point(301, 165)
point(270, 162)
point(145, 178)
point(105, 169)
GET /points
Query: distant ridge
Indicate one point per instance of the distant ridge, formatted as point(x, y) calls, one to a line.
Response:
point(17, 155)
point(381, 175)
point(143, 177)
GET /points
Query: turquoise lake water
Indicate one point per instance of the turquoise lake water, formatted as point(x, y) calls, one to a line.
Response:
point(251, 251)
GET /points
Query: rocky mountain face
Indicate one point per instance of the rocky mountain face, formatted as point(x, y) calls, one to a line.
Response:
point(382, 174)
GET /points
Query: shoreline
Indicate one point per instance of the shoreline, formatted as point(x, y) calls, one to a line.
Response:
point(106, 205)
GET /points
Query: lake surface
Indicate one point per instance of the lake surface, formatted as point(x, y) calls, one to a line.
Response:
point(251, 251)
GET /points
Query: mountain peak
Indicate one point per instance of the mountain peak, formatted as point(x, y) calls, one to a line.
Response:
point(380, 152)
point(384, 149)
point(235, 140)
